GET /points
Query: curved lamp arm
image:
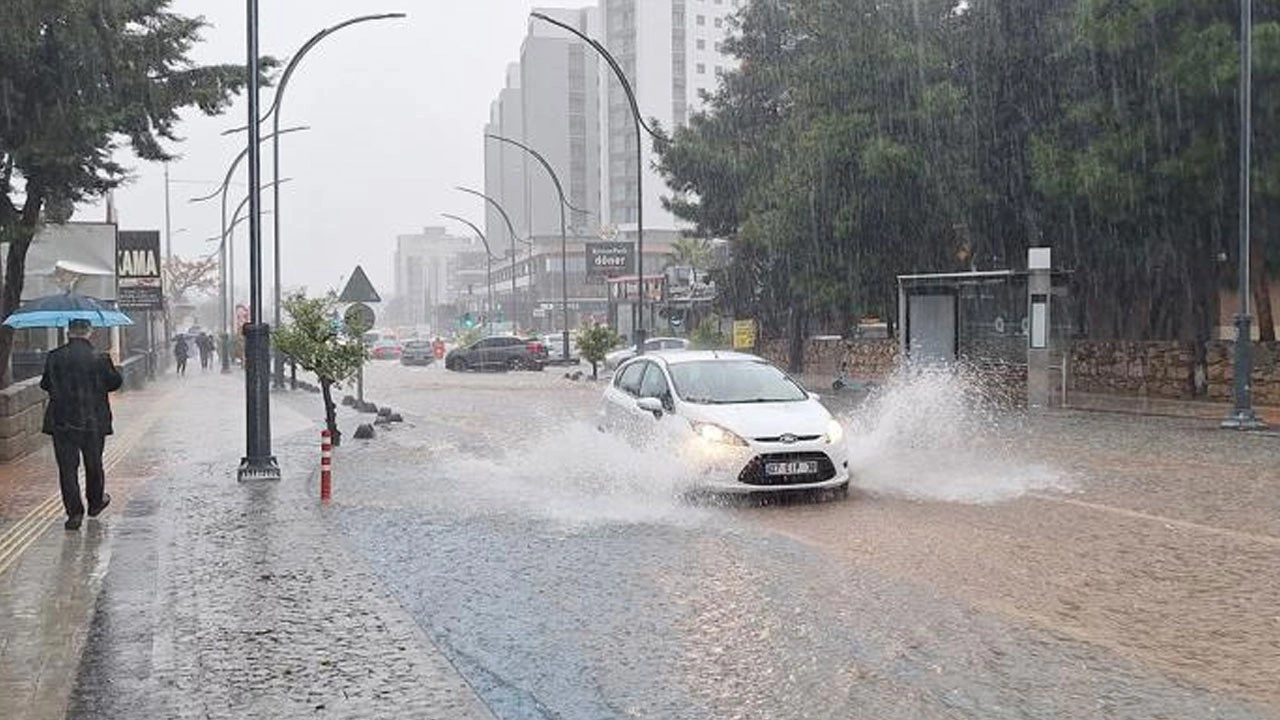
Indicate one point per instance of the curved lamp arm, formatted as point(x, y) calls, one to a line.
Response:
point(473, 227)
point(510, 225)
point(617, 70)
point(302, 51)
point(231, 171)
point(545, 164)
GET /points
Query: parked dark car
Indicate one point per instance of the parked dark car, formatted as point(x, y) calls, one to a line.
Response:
point(417, 352)
point(499, 352)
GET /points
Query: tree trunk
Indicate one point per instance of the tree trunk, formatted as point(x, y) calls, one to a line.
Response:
point(330, 412)
point(795, 340)
point(15, 271)
point(595, 373)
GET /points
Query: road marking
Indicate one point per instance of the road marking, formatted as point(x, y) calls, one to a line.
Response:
point(17, 539)
point(1167, 521)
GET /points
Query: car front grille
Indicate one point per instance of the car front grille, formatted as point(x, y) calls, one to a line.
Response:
point(753, 473)
point(791, 439)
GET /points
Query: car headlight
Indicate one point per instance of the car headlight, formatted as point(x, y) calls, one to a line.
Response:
point(717, 435)
point(835, 432)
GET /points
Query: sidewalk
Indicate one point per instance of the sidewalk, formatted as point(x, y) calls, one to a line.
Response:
point(1160, 406)
point(195, 596)
point(1094, 402)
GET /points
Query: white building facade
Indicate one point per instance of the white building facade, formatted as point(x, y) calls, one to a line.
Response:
point(430, 273)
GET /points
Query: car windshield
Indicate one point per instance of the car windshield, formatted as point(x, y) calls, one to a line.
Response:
point(724, 382)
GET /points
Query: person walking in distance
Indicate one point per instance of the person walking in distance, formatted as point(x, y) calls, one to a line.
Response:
point(78, 379)
point(180, 352)
point(204, 344)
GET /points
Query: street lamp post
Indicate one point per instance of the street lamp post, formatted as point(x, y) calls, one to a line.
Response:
point(1242, 416)
point(222, 259)
point(258, 463)
point(274, 112)
point(640, 125)
point(515, 257)
point(564, 231)
point(488, 264)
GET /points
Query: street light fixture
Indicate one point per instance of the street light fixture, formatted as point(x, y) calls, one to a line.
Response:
point(258, 463)
point(274, 112)
point(564, 231)
point(511, 229)
point(638, 321)
point(1242, 416)
point(222, 261)
point(488, 270)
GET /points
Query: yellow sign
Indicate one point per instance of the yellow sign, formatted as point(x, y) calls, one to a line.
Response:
point(744, 334)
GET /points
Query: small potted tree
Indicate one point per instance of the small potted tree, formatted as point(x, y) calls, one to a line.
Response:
point(320, 345)
point(594, 343)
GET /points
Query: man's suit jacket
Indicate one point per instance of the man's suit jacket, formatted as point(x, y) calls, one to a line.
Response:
point(78, 378)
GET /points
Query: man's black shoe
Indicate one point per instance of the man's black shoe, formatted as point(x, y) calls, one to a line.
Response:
point(73, 522)
point(106, 500)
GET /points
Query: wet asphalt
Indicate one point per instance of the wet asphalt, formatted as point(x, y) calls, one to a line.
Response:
point(989, 565)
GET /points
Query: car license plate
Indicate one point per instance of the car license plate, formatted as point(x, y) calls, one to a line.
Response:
point(806, 467)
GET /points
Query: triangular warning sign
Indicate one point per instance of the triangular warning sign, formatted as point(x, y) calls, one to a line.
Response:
point(359, 289)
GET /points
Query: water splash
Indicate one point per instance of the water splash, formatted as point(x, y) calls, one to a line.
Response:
point(578, 476)
point(939, 433)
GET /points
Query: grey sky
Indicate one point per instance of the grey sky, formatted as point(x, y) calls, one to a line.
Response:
point(397, 110)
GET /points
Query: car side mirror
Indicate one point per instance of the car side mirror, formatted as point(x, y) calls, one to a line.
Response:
point(651, 405)
point(814, 396)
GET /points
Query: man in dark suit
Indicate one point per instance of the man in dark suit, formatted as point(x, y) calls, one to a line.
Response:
point(78, 416)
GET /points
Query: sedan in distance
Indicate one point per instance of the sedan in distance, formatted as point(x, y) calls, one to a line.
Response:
point(623, 354)
point(739, 424)
point(417, 352)
point(385, 350)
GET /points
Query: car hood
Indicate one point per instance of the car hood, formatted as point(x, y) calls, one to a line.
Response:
point(757, 420)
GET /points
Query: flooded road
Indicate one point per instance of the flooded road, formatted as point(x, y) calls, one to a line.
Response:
point(987, 566)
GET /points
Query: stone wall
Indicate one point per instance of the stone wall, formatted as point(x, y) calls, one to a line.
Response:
point(1165, 370)
point(867, 359)
point(1149, 369)
point(21, 415)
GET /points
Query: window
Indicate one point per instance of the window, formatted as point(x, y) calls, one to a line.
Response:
point(654, 384)
point(719, 22)
point(702, 19)
point(702, 44)
point(629, 379)
point(702, 69)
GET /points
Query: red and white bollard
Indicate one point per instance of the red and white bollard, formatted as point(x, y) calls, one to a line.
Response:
point(326, 465)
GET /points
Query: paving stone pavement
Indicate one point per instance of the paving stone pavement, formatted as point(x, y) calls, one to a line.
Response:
point(200, 597)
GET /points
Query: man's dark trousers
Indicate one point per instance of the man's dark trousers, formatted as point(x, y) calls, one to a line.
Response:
point(68, 448)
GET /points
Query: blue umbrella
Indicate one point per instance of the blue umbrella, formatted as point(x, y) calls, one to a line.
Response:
point(55, 311)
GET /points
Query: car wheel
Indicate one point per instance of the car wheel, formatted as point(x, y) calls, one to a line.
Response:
point(517, 364)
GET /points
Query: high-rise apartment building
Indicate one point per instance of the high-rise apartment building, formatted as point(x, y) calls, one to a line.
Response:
point(564, 101)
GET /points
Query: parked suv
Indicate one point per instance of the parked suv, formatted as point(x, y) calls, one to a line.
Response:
point(499, 352)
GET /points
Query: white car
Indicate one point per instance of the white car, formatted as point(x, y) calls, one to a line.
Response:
point(738, 423)
point(657, 344)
